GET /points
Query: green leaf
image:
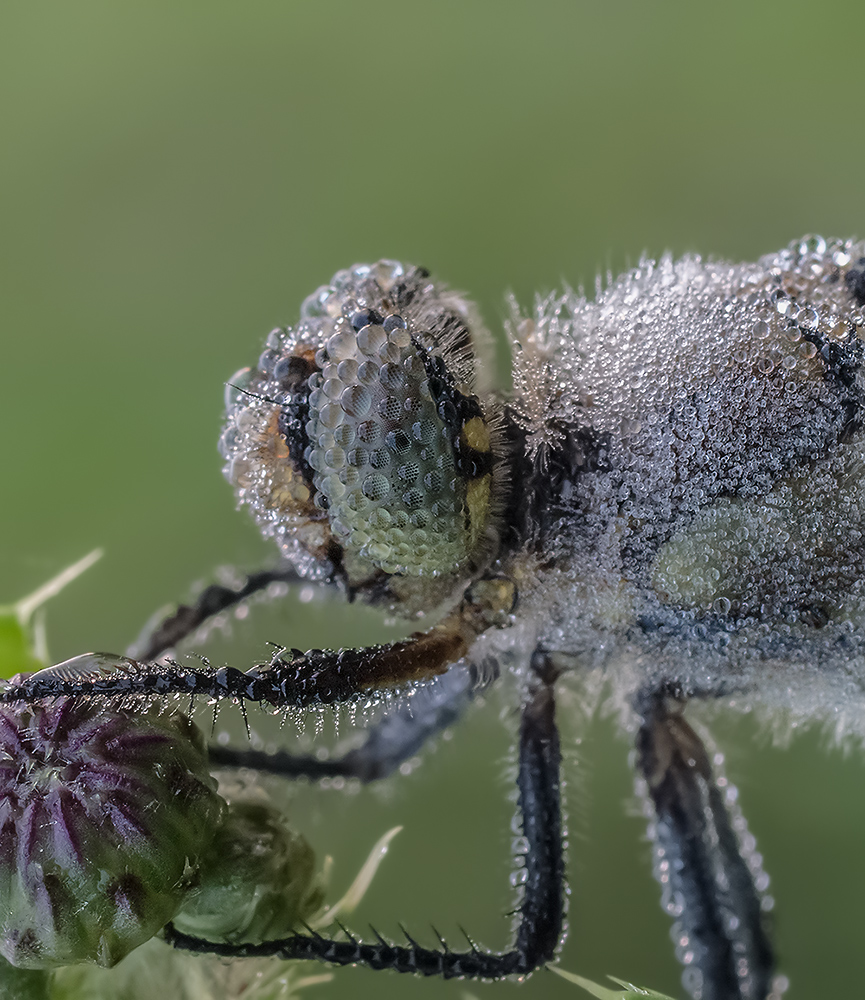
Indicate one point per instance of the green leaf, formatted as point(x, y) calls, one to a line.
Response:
point(361, 883)
point(604, 993)
point(22, 634)
point(17, 645)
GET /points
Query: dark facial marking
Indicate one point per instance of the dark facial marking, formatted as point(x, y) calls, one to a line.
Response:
point(843, 363)
point(542, 494)
point(455, 409)
point(855, 279)
point(293, 374)
point(366, 317)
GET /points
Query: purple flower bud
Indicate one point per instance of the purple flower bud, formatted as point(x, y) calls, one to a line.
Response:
point(104, 814)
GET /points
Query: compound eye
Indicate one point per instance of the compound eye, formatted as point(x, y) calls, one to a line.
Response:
point(401, 457)
point(359, 441)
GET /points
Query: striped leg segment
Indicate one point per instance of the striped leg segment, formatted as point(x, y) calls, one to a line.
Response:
point(708, 886)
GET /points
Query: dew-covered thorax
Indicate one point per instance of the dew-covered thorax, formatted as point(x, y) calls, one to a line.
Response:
point(695, 458)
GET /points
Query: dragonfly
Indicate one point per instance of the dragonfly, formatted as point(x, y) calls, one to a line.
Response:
point(669, 501)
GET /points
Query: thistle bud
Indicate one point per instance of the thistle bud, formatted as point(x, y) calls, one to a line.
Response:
point(257, 881)
point(104, 814)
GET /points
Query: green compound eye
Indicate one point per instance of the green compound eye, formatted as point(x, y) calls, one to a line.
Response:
point(359, 441)
point(401, 457)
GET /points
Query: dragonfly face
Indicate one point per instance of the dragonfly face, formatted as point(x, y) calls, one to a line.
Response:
point(670, 499)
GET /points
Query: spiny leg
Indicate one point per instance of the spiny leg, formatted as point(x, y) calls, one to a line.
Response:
point(292, 679)
point(542, 905)
point(707, 884)
point(168, 632)
point(396, 738)
point(399, 736)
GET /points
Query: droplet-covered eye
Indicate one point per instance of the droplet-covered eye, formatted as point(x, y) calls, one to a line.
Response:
point(359, 440)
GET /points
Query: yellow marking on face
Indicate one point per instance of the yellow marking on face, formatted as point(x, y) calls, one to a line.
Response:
point(475, 435)
point(478, 504)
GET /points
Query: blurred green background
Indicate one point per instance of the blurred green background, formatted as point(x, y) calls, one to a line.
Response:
point(176, 177)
